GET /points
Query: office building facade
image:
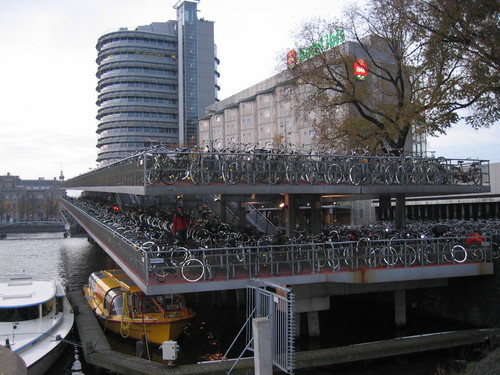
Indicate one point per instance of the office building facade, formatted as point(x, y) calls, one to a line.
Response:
point(266, 114)
point(154, 83)
point(28, 200)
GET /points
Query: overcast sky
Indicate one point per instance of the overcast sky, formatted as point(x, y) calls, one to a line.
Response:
point(47, 92)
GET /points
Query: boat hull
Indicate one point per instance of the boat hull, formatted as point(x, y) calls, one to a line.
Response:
point(155, 332)
point(36, 319)
point(43, 365)
point(53, 348)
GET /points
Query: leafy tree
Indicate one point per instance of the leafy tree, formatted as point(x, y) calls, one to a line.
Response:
point(5, 206)
point(411, 85)
point(468, 33)
point(50, 207)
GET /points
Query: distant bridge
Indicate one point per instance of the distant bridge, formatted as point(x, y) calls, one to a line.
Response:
point(33, 227)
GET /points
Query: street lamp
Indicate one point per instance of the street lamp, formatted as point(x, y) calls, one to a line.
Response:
point(211, 113)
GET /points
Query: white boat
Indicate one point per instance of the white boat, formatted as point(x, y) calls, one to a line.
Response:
point(35, 318)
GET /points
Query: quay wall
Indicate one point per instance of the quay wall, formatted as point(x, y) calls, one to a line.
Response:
point(470, 300)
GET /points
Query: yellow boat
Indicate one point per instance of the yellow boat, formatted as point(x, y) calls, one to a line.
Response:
point(123, 308)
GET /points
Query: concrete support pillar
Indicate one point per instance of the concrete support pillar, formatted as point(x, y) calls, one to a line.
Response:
point(297, 324)
point(400, 212)
point(313, 323)
point(291, 210)
point(304, 303)
point(315, 214)
point(400, 307)
point(263, 360)
point(242, 214)
point(384, 207)
point(223, 208)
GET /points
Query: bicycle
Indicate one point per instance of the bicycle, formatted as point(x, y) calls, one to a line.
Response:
point(161, 265)
point(467, 174)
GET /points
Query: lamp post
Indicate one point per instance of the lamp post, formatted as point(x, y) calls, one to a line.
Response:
point(211, 113)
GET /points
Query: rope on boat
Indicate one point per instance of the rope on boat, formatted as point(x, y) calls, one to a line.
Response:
point(126, 320)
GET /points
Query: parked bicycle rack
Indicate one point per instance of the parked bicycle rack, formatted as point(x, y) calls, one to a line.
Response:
point(211, 265)
point(273, 168)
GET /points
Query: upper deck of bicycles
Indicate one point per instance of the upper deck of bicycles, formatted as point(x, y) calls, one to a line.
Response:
point(353, 176)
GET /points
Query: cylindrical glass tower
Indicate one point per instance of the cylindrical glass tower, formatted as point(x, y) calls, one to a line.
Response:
point(154, 83)
point(137, 91)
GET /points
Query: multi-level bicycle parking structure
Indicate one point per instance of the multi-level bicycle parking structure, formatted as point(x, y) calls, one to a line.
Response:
point(167, 171)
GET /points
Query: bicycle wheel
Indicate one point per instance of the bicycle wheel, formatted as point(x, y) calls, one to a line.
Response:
point(231, 172)
point(310, 172)
point(170, 173)
point(390, 174)
point(333, 174)
point(192, 270)
point(447, 255)
point(495, 253)
point(355, 174)
point(333, 259)
point(146, 246)
point(457, 175)
point(430, 254)
point(475, 175)
point(416, 175)
point(389, 256)
point(363, 248)
point(459, 253)
point(431, 175)
point(408, 256)
point(292, 173)
point(159, 272)
point(276, 172)
point(179, 255)
point(153, 175)
point(195, 172)
point(320, 257)
point(476, 253)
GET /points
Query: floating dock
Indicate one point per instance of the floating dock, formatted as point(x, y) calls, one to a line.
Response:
point(98, 352)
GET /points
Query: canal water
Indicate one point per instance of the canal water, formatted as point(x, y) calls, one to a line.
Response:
point(219, 318)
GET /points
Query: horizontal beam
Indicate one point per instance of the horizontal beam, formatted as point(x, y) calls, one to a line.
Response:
point(351, 192)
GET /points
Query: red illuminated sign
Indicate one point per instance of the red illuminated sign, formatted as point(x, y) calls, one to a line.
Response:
point(360, 70)
point(291, 57)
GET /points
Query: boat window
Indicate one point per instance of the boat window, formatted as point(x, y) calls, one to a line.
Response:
point(19, 313)
point(171, 302)
point(47, 307)
point(60, 304)
point(108, 300)
point(116, 308)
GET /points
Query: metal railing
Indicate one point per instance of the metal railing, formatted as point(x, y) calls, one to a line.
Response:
point(106, 237)
point(217, 264)
point(278, 304)
point(204, 168)
point(259, 220)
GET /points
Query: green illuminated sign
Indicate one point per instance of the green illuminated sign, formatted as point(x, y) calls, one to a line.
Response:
point(325, 43)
